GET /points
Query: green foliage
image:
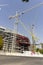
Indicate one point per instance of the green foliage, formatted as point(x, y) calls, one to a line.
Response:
point(1, 42)
point(39, 50)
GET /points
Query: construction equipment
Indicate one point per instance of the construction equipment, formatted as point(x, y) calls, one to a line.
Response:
point(25, 11)
point(21, 13)
point(30, 32)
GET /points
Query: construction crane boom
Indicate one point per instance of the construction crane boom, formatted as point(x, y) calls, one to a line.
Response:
point(25, 11)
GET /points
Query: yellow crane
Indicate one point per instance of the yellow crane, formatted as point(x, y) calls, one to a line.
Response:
point(21, 13)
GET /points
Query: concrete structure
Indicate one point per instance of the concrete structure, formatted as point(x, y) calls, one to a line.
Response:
point(41, 45)
point(13, 42)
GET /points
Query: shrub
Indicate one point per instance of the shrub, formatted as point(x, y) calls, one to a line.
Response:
point(41, 51)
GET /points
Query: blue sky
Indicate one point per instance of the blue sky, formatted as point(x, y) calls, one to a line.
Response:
point(35, 16)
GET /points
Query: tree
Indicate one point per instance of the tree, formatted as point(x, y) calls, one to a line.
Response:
point(1, 42)
point(25, 0)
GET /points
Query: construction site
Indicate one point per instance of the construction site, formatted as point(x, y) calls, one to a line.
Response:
point(11, 41)
point(21, 32)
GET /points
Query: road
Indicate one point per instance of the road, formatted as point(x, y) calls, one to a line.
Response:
point(13, 60)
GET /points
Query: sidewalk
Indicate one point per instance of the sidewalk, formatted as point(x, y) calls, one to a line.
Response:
point(20, 54)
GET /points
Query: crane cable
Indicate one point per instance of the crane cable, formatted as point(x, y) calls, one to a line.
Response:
point(33, 36)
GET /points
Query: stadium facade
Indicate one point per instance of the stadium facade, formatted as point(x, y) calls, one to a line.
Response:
point(12, 42)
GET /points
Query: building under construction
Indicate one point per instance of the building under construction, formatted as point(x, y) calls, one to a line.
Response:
point(11, 42)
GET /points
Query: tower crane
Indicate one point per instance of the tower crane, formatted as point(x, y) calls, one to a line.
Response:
point(21, 13)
